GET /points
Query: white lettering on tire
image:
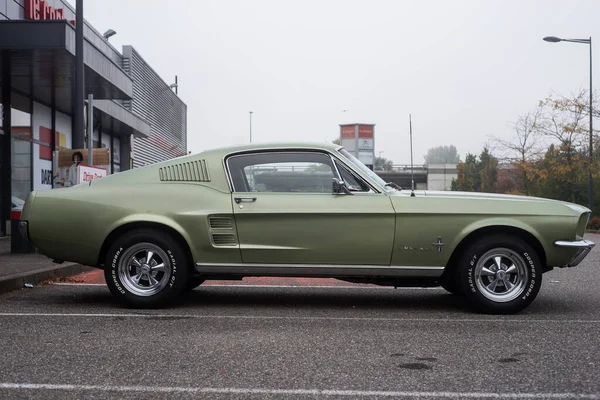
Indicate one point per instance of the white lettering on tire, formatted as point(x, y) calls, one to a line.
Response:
point(114, 271)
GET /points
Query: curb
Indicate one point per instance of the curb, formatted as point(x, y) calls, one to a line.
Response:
point(13, 282)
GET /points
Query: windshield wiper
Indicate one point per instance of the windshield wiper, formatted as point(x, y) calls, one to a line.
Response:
point(392, 184)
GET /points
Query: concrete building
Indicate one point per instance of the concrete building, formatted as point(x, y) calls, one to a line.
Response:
point(439, 176)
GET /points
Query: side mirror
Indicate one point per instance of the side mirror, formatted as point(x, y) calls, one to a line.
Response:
point(339, 187)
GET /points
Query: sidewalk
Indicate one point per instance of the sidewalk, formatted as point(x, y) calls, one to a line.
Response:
point(18, 269)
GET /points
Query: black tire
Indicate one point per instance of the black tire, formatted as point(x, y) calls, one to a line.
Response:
point(121, 271)
point(472, 279)
point(194, 282)
point(449, 283)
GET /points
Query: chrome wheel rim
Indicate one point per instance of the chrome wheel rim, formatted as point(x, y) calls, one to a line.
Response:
point(501, 275)
point(144, 269)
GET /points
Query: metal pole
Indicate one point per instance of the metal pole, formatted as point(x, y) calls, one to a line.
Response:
point(590, 179)
point(90, 129)
point(412, 174)
point(78, 98)
point(250, 126)
point(6, 170)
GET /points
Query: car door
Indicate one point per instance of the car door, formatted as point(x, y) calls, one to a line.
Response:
point(286, 212)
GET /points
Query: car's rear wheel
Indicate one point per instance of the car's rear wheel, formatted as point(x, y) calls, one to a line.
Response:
point(499, 274)
point(194, 282)
point(146, 268)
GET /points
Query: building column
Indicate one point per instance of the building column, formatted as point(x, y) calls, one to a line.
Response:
point(6, 167)
point(125, 152)
point(112, 158)
point(53, 116)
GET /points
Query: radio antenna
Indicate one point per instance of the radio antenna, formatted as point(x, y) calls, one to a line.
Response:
point(412, 173)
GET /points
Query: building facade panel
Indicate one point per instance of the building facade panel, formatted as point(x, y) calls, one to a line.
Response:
point(154, 101)
point(14, 10)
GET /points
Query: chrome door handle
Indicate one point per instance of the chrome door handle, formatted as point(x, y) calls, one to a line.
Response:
point(240, 199)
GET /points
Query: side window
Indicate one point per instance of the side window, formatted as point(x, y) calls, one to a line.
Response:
point(284, 172)
point(353, 182)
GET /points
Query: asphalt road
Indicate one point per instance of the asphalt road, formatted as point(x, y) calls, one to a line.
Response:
point(73, 341)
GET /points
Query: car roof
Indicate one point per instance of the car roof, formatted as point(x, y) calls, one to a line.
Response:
point(222, 151)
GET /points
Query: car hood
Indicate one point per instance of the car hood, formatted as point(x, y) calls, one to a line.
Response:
point(494, 203)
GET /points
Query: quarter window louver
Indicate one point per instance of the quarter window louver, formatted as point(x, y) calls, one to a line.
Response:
point(191, 171)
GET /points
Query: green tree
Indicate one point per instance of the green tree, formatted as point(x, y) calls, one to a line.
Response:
point(488, 171)
point(468, 179)
point(477, 175)
point(442, 154)
point(564, 121)
point(383, 164)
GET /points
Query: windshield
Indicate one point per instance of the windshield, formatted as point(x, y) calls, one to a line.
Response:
point(356, 162)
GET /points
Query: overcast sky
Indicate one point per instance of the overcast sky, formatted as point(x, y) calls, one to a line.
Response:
point(463, 69)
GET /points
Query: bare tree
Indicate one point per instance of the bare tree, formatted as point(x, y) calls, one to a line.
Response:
point(564, 120)
point(525, 146)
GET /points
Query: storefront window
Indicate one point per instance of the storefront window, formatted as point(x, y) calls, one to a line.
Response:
point(21, 156)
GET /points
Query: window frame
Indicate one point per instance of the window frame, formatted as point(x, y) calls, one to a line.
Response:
point(335, 159)
point(355, 176)
point(230, 172)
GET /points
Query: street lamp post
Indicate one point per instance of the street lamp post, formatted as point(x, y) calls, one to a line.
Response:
point(250, 126)
point(554, 39)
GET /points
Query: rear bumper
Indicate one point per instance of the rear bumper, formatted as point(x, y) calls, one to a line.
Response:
point(583, 248)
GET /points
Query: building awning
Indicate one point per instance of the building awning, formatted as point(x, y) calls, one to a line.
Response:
point(42, 61)
point(118, 120)
point(40, 49)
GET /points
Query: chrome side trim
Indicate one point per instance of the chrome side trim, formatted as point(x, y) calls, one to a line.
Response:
point(317, 270)
point(584, 246)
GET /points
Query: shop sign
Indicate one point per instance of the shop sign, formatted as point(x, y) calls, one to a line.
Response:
point(41, 10)
point(87, 173)
point(71, 166)
point(365, 131)
point(348, 132)
point(365, 144)
point(46, 177)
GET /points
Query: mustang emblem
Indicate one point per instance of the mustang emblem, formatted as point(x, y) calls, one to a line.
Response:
point(439, 244)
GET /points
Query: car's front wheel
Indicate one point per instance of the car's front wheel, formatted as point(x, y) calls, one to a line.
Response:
point(499, 274)
point(146, 268)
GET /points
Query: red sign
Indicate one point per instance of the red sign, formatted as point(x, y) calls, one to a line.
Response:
point(41, 10)
point(365, 131)
point(348, 132)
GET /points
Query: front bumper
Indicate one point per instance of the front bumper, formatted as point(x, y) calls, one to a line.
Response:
point(583, 248)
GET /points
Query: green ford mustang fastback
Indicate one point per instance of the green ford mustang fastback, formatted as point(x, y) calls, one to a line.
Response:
point(305, 211)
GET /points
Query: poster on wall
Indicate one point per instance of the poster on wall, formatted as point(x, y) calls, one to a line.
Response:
point(71, 166)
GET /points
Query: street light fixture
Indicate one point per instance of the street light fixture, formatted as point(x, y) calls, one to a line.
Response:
point(554, 39)
point(109, 33)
